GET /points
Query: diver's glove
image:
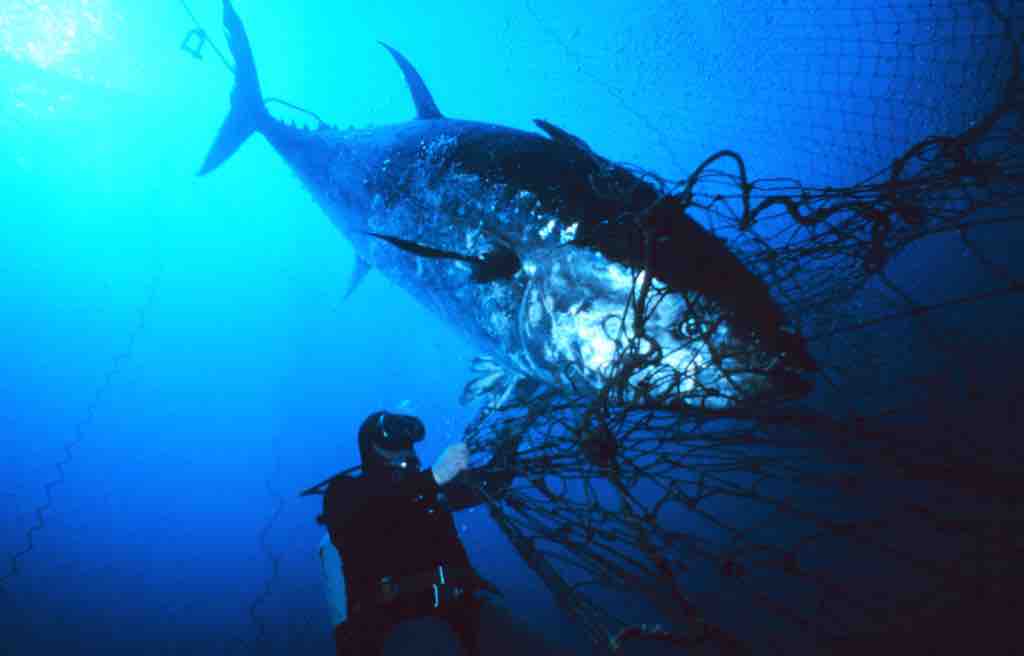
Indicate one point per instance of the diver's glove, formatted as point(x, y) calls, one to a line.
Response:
point(453, 460)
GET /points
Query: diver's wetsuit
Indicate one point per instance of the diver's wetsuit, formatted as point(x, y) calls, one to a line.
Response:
point(393, 532)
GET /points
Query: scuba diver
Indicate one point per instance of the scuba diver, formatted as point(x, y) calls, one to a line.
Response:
point(393, 539)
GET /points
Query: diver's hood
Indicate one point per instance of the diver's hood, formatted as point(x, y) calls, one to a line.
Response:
point(386, 442)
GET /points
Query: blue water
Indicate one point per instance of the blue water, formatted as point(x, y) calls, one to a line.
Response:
point(178, 362)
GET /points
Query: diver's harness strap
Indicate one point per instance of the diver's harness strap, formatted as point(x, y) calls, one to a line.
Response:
point(435, 588)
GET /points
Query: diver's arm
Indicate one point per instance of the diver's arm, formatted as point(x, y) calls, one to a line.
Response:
point(448, 473)
point(451, 462)
point(473, 486)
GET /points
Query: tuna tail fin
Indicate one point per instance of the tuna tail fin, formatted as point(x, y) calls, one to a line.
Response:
point(248, 113)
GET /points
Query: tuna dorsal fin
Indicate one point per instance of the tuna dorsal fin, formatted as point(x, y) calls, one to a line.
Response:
point(358, 273)
point(558, 134)
point(425, 107)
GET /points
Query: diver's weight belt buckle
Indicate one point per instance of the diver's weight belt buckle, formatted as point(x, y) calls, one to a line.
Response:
point(441, 584)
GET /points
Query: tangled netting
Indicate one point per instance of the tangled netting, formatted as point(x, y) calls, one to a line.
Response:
point(833, 522)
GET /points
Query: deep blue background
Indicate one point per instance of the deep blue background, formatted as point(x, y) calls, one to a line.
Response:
point(181, 344)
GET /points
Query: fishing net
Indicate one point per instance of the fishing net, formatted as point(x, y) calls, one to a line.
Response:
point(867, 510)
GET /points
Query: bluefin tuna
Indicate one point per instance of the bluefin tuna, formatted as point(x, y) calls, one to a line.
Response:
point(531, 245)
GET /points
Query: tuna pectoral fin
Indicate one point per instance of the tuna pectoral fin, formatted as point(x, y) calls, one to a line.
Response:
point(499, 264)
point(247, 113)
point(420, 249)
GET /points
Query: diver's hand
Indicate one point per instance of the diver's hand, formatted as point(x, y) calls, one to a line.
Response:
point(448, 465)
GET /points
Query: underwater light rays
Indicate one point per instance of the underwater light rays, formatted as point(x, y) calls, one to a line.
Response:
point(50, 33)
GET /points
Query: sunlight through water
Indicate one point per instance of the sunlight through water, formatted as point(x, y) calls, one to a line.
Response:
point(50, 34)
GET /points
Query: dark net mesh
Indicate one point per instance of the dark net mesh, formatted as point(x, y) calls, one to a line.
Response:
point(880, 505)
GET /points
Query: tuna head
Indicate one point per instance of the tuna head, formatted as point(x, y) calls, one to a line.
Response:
point(581, 326)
